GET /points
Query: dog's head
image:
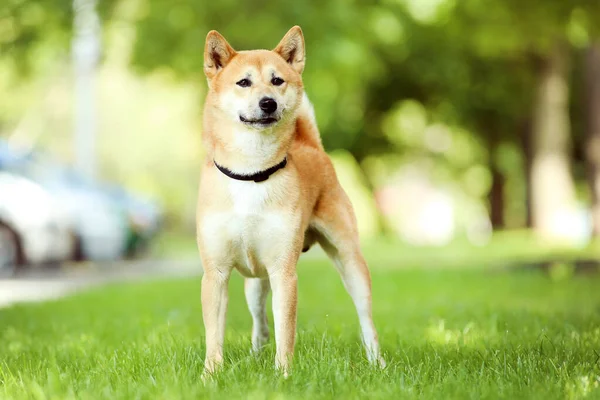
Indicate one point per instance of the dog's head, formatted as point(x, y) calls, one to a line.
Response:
point(260, 88)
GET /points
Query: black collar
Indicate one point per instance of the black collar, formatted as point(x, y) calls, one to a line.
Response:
point(259, 176)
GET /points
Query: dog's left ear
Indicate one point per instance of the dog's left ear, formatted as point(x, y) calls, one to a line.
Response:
point(217, 54)
point(291, 48)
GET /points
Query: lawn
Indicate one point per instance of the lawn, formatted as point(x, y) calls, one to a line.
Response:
point(454, 333)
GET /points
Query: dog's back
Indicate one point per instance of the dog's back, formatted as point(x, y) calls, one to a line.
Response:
point(307, 132)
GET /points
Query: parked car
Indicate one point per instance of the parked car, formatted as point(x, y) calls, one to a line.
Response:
point(34, 228)
point(8, 155)
point(144, 217)
point(99, 225)
point(10, 251)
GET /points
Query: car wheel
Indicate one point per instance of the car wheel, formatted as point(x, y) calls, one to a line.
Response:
point(10, 250)
point(78, 254)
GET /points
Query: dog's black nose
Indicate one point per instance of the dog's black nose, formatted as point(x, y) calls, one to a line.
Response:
point(268, 105)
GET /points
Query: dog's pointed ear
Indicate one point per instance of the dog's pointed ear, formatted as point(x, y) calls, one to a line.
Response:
point(291, 48)
point(217, 54)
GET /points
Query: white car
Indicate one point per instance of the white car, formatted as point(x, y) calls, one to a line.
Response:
point(144, 216)
point(34, 228)
point(99, 224)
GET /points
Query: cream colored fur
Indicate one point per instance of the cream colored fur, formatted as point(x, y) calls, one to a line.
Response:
point(261, 228)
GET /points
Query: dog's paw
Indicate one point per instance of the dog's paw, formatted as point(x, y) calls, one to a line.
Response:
point(380, 362)
point(283, 371)
point(259, 340)
point(283, 365)
point(211, 366)
point(376, 360)
point(206, 377)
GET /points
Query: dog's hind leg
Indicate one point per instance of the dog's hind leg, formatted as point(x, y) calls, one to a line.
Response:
point(256, 290)
point(335, 223)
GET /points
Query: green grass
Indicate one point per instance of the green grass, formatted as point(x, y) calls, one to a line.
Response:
point(445, 334)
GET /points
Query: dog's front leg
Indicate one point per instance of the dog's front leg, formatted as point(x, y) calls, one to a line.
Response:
point(214, 308)
point(284, 283)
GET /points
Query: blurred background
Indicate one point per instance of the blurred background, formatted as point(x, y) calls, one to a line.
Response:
point(471, 127)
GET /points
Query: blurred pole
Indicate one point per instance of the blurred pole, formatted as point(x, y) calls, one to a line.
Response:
point(86, 54)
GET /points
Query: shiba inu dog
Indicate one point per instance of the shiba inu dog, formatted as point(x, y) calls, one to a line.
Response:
point(268, 191)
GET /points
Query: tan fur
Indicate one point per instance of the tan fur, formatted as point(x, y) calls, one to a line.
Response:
point(261, 228)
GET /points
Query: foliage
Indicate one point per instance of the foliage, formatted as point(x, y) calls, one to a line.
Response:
point(25, 26)
point(469, 66)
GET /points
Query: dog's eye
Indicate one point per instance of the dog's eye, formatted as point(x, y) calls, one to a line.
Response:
point(244, 82)
point(277, 81)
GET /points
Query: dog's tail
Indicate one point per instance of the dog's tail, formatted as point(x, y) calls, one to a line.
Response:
point(306, 125)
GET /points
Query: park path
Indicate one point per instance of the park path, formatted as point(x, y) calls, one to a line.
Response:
point(52, 283)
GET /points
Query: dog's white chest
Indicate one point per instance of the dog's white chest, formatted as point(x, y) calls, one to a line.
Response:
point(250, 235)
point(248, 198)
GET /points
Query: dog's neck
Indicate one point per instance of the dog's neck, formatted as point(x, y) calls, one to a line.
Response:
point(246, 151)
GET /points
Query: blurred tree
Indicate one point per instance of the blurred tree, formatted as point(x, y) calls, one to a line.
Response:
point(592, 151)
point(31, 28)
point(488, 66)
point(496, 69)
point(553, 191)
point(27, 26)
point(31, 32)
point(35, 39)
point(535, 37)
point(456, 64)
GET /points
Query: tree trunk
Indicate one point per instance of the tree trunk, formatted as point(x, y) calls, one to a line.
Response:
point(496, 193)
point(553, 192)
point(592, 151)
point(496, 199)
point(528, 155)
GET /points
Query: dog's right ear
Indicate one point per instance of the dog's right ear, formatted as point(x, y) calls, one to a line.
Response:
point(217, 54)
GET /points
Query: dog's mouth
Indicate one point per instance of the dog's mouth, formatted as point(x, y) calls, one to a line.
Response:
point(260, 122)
